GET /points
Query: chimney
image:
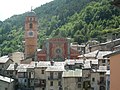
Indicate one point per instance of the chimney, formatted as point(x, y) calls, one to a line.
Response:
point(15, 66)
point(35, 64)
point(52, 62)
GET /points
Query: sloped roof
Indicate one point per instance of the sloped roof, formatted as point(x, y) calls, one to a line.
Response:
point(91, 54)
point(45, 64)
point(103, 53)
point(72, 73)
point(4, 59)
point(22, 67)
point(11, 67)
point(6, 79)
point(73, 61)
point(95, 54)
point(102, 69)
point(112, 54)
point(55, 68)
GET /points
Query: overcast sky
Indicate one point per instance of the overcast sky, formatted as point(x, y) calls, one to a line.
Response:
point(14, 7)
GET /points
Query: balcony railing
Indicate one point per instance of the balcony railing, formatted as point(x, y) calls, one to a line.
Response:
point(101, 83)
point(86, 79)
point(53, 78)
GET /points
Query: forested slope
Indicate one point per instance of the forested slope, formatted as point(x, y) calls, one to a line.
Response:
point(80, 20)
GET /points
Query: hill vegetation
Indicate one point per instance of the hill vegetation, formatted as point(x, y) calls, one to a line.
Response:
point(80, 20)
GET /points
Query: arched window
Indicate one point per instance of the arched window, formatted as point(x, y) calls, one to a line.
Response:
point(30, 19)
point(31, 25)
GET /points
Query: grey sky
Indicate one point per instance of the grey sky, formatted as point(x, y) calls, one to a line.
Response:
point(14, 7)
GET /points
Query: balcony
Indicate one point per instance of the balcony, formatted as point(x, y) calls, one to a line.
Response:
point(40, 83)
point(101, 83)
point(53, 78)
point(86, 78)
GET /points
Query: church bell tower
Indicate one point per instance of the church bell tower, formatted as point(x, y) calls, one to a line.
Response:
point(31, 27)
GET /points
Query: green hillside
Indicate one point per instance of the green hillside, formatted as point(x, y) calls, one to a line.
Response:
point(79, 19)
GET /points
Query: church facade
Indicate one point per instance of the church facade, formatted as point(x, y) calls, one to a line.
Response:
point(57, 49)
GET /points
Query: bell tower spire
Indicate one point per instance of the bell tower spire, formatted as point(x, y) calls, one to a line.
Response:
point(31, 8)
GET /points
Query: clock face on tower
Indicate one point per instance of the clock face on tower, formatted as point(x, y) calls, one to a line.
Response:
point(30, 34)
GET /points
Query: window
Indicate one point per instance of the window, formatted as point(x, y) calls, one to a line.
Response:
point(30, 19)
point(60, 88)
point(29, 75)
point(51, 83)
point(6, 88)
point(42, 71)
point(108, 67)
point(11, 72)
point(101, 73)
point(104, 65)
point(43, 88)
point(51, 75)
point(79, 85)
point(109, 62)
point(102, 88)
point(59, 75)
point(79, 79)
point(30, 25)
point(25, 80)
point(80, 66)
point(102, 78)
point(15, 72)
point(59, 83)
point(103, 61)
point(93, 79)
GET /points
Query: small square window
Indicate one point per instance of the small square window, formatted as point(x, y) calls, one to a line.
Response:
point(79, 79)
point(79, 85)
point(103, 61)
point(59, 83)
point(42, 71)
point(93, 79)
point(51, 83)
point(51, 75)
point(102, 73)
